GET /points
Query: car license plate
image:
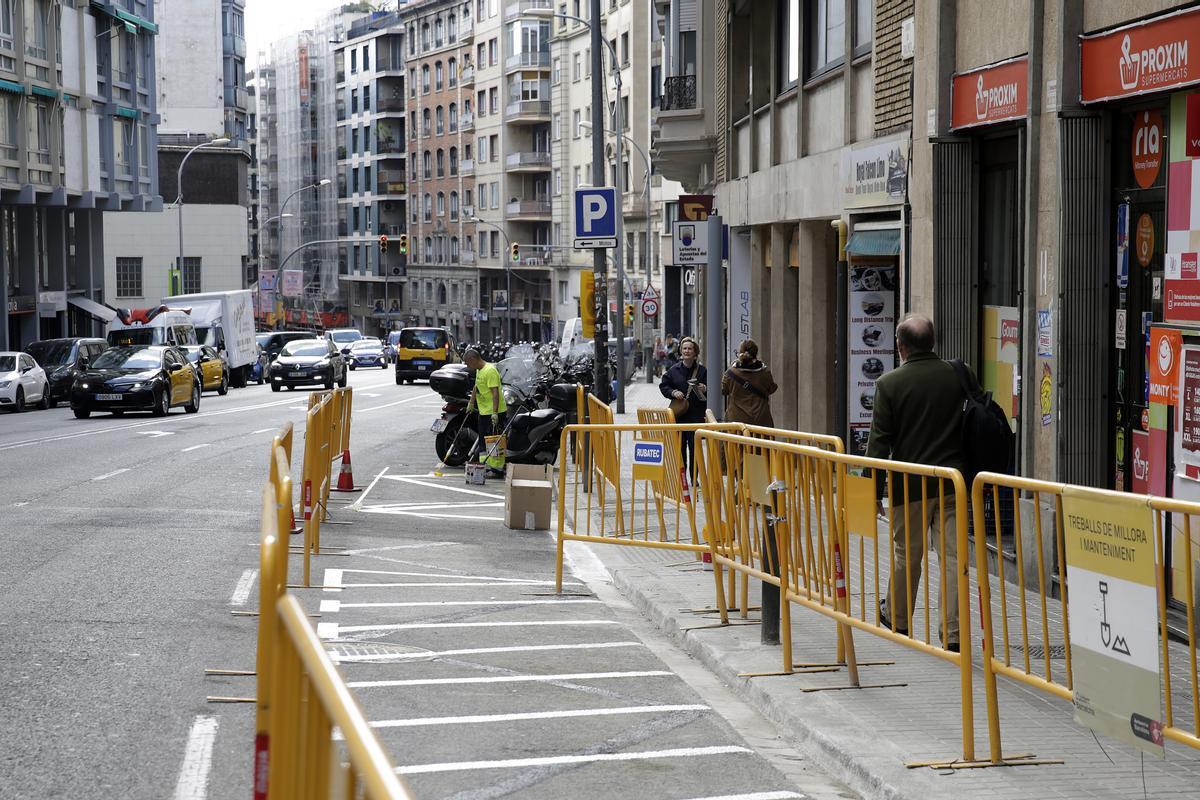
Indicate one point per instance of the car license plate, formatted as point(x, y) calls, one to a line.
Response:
point(108, 397)
point(439, 425)
point(295, 374)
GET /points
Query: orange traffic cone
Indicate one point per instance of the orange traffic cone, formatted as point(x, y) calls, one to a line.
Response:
point(346, 475)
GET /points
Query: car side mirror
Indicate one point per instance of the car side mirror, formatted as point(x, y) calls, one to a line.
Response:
point(175, 367)
point(204, 359)
point(84, 363)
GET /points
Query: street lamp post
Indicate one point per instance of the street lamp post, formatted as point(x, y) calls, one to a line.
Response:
point(508, 329)
point(283, 207)
point(223, 140)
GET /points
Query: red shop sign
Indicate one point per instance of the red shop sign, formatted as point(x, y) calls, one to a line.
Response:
point(995, 93)
point(1144, 57)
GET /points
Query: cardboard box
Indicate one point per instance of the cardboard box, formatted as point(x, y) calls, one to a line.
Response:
point(528, 493)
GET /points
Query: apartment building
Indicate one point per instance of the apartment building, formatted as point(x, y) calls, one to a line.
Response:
point(77, 138)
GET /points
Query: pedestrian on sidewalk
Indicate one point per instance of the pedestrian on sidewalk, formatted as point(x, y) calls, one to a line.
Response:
point(748, 386)
point(918, 418)
point(672, 348)
point(660, 357)
point(685, 384)
point(488, 400)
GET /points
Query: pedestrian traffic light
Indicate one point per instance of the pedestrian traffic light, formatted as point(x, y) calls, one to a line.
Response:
point(587, 303)
point(629, 313)
point(404, 244)
point(175, 282)
point(514, 250)
point(383, 243)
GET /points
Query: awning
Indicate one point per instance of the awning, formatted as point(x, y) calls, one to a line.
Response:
point(128, 113)
point(97, 310)
point(145, 24)
point(11, 86)
point(44, 92)
point(874, 243)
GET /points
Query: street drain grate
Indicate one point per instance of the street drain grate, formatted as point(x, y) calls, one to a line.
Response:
point(359, 651)
point(1037, 651)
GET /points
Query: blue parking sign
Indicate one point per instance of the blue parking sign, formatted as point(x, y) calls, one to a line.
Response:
point(595, 217)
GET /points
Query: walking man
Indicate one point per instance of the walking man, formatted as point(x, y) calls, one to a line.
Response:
point(488, 400)
point(918, 418)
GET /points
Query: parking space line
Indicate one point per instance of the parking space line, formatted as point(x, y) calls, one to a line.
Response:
point(357, 504)
point(241, 592)
point(194, 447)
point(332, 580)
point(459, 489)
point(443, 575)
point(338, 605)
point(197, 760)
point(562, 676)
point(112, 474)
point(330, 630)
point(682, 752)
point(470, 651)
point(340, 586)
point(421, 722)
point(755, 796)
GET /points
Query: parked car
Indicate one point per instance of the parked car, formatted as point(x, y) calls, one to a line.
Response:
point(343, 338)
point(272, 342)
point(308, 361)
point(214, 370)
point(22, 381)
point(367, 352)
point(64, 360)
point(419, 351)
point(153, 378)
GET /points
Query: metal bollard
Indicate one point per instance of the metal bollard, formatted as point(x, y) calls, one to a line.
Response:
point(769, 629)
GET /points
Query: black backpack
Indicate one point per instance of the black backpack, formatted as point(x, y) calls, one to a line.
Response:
point(987, 438)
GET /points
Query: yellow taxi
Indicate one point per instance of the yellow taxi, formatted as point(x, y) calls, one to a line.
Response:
point(137, 378)
point(419, 351)
point(214, 372)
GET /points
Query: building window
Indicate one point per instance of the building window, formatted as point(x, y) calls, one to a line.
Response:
point(36, 37)
point(557, 71)
point(6, 34)
point(440, 120)
point(366, 57)
point(438, 32)
point(439, 76)
point(577, 177)
point(354, 101)
point(495, 194)
point(425, 79)
point(453, 160)
point(453, 117)
point(366, 98)
point(191, 275)
point(452, 29)
point(576, 131)
point(557, 181)
point(864, 19)
point(454, 206)
point(425, 124)
point(441, 163)
point(129, 277)
point(556, 126)
point(428, 207)
point(494, 100)
point(577, 69)
point(353, 62)
point(441, 204)
point(412, 82)
point(624, 49)
point(494, 143)
point(452, 68)
point(8, 127)
point(427, 164)
point(826, 28)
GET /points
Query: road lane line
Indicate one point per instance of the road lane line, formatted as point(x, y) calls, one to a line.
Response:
point(112, 474)
point(421, 722)
point(444, 575)
point(241, 592)
point(261, 430)
point(193, 447)
point(756, 796)
point(339, 605)
point(415, 546)
point(564, 676)
point(511, 763)
point(197, 760)
point(339, 586)
point(470, 651)
point(393, 403)
point(332, 629)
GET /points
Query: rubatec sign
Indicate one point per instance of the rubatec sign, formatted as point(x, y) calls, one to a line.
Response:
point(1150, 56)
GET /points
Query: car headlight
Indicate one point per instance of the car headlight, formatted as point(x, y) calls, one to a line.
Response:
point(135, 387)
point(5, 384)
point(83, 386)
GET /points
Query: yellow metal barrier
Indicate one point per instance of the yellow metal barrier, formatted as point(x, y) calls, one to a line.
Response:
point(802, 518)
point(1034, 612)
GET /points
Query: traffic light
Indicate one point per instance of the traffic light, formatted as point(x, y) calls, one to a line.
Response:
point(514, 251)
point(175, 281)
point(404, 244)
point(383, 243)
point(587, 303)
point(629, 313)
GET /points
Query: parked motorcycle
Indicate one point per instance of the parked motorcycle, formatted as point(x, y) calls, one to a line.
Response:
point(456, 430)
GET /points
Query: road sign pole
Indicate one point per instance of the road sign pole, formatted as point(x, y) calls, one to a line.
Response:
point(714, 315)
point(599, 265)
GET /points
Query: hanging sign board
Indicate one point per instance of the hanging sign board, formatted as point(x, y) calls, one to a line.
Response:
point(995, 93)
point(1149, 56)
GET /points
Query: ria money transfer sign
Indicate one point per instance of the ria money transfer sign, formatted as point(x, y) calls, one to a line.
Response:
point(1113, 614)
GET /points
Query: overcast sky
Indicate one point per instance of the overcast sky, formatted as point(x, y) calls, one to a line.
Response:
point(268, 20)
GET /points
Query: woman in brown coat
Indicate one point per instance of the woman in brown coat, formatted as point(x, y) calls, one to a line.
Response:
point(748, 386)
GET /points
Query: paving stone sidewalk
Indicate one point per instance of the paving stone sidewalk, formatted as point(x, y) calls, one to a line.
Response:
point(864, 737)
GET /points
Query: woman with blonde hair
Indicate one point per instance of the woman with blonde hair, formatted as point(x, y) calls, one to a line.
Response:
point(685, 384)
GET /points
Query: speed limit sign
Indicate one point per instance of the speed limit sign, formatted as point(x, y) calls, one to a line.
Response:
point(650, 307)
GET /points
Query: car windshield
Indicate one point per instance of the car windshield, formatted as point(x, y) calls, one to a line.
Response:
point(345, 336)
point(128, 358)
point(423, 339)
point(51, 354)
point(366, 344)
point(304, 348)
point(8, 363)
point(128, 336)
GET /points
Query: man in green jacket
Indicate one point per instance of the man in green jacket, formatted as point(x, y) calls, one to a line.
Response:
point(917, 418)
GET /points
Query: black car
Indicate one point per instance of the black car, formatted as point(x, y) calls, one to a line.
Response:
point(137, 378)
point(308, 361)
point(64, 360)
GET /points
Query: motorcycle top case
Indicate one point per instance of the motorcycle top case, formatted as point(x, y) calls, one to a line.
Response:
point(562, 397)
point(452, 380)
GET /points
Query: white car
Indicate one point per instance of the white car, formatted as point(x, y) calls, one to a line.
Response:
point(22, 381)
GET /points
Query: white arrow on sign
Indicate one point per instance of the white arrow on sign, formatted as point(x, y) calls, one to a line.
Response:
point(156, 434)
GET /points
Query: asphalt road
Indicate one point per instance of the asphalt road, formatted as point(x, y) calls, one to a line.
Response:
point(128, 543)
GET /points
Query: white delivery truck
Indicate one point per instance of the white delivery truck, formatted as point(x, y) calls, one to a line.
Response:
point(225, 322)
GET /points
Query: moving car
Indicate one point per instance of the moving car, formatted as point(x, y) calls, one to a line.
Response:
point(152, 378)
point(272, 342)
point(64, 360)
point(419, 351)
point(367, 352)
point(22, 381)
point(306, 362)
point(343, 338)
point(214, 370)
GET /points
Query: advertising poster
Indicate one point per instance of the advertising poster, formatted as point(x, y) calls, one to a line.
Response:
point(1123, 246)
point(1045, 333)
point(293, 282)
point(1001, 356)
point(1163, 366)
point(871, 335)
point(876, 174)
point(1113, 616)
point(740, 327)
point(1188, 419)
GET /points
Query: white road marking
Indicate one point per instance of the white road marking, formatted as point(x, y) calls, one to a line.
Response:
point(156, 434)
point(389, 405)
point(338, 587)
point(371, 394)
point(461, 489)
point(193, 447)
point(330, 606)
point(531, 648)
point(298, 408)
point(358, 503)
point(421, 722)
point(338, 605)
point(22, 503)
point(333, 580)
point(393, 508)
point(445, 575)
point(415, 546)
point(330, 630)
point(756, 796)
point(682, 752)
point(428, 515)
point(261, 430)
point(564, 676)
point(241, 592)
point(197, 760)
point(108, 475)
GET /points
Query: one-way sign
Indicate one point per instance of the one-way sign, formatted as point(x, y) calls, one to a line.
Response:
point(595, 217)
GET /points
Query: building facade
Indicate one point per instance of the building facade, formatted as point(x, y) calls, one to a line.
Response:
point(75, 141)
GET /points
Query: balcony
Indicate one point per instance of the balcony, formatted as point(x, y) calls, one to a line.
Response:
point(679, 93)
point(466, 257)
point(466, 76)
point(391, 230)
point(634, 205)
point(466, 122)
point(519, 9)
point(528, 162)
point(528, 111)
point(528, 210)
point(536, 60)
point(391, 183)
point(466, 29)
point(237, 97)
point(385, 105)
point(392, 147)
point(466, 167)
point(232, 44)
